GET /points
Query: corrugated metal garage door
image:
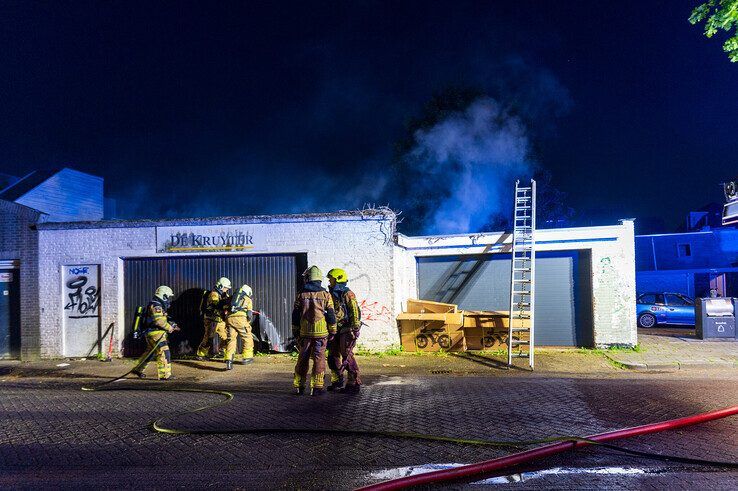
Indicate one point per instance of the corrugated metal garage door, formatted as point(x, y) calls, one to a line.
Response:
point(563, 291)
point(273, 278)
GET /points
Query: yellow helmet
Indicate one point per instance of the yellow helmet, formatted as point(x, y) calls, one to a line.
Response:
point(338, 274)
point(223, 284)
point(313, 273)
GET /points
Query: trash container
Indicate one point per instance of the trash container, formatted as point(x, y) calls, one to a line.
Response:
point(715, 318)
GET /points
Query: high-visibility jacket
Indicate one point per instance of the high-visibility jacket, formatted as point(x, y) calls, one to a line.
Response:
point(156, 317)
point(347, 308)
point(244, 308)
point(314, 313)
point(215, 306)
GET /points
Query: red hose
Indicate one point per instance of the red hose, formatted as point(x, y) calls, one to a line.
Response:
point(545, 451)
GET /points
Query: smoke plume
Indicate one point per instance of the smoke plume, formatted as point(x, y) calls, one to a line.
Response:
point(473, 156)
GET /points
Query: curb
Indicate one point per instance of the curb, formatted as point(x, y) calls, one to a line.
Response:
point(673, 365)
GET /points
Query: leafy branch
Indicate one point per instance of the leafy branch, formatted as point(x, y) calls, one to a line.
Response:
point(719, 15)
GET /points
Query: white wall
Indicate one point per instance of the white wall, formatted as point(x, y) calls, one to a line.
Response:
point(362, 244)
point(613, 269)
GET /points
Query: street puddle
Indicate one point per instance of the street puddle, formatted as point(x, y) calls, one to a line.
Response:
point(396, 381)
point(399, 472)
point(560, 471)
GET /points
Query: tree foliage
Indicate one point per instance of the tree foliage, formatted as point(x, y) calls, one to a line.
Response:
point(719, 15)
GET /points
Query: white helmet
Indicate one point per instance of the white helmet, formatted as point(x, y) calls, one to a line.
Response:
point(246, 290)
point(165, 294)
point(223, 284)
point(243, 292)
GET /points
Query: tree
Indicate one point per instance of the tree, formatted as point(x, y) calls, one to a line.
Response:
point(719, 15)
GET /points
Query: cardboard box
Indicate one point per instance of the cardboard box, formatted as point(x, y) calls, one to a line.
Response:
point(431, 335)
point(487, 330)
point(427, 306)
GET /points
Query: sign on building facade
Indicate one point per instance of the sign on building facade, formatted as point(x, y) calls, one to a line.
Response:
point(81, 304)
point(225, 238)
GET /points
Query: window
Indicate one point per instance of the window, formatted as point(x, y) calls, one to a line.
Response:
point(651, 299)
point(675, 300)
point(684, 250)
point(648, 298)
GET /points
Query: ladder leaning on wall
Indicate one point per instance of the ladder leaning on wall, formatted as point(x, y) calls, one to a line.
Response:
point(520, 337)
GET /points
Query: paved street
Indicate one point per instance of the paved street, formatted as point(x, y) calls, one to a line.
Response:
point(54, 435)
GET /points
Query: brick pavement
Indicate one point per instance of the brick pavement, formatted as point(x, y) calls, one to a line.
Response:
point(54, 435)
point(675, 348)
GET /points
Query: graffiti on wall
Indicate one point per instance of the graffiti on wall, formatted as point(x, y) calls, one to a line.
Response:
point(82, 294)
point(81, 308)
point(375, 311)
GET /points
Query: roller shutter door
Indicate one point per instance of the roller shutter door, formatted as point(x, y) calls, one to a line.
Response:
point(563, 291)
point(274, 280)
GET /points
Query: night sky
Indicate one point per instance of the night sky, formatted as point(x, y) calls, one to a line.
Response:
point(218, 108)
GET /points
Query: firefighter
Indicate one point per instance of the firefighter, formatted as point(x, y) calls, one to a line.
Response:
point(313, 321)
point(341, 348)
point(239, 324)
point(216, 306)
point(157, 328)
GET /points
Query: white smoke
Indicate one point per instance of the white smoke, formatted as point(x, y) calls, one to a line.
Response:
point(478, 152)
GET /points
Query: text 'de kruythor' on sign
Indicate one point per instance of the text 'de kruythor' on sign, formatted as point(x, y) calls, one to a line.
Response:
point(81, 305)
point(206, 239)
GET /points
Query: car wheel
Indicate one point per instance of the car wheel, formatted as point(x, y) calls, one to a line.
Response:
point(647, 320)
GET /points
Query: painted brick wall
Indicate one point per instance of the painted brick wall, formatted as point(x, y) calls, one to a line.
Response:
point(361, 245)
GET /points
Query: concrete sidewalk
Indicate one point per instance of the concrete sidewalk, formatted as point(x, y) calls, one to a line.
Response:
point(677, 348)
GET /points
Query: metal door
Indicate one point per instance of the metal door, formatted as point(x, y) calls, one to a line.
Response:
point(273, 278)
point(9, 313)
point(563, 291)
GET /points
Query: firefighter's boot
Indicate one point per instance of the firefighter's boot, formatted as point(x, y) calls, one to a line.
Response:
point(247, 361)
point(336, 384)
point(229, 365)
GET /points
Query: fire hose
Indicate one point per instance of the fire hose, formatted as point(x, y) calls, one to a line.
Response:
point(493, 465)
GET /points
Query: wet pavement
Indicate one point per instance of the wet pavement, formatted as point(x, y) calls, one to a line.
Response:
point(54, 435)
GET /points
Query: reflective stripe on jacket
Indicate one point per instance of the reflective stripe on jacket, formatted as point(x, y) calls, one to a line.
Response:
point(314, 312)
point(156, 317)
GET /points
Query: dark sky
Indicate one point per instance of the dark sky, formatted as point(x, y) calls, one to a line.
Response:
point(197, 109)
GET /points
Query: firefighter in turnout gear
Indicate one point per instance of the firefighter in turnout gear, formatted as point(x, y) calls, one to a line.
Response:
point(313, 322)
point(216, 307)
point(239, 325)
point(341, 347)
point(157, 329)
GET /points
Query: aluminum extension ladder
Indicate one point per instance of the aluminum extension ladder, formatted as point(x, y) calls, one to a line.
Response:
point(520, 338)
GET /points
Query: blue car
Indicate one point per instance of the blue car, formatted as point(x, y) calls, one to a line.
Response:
point(664, 308)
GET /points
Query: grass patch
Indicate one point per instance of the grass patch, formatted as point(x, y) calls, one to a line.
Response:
point(391, 351)
point(492, 352)
point(616, 364)
point(612, 349)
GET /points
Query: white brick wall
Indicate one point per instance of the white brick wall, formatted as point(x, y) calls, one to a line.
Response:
point(382, 274)
point(613, 269)
point(361, 244)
